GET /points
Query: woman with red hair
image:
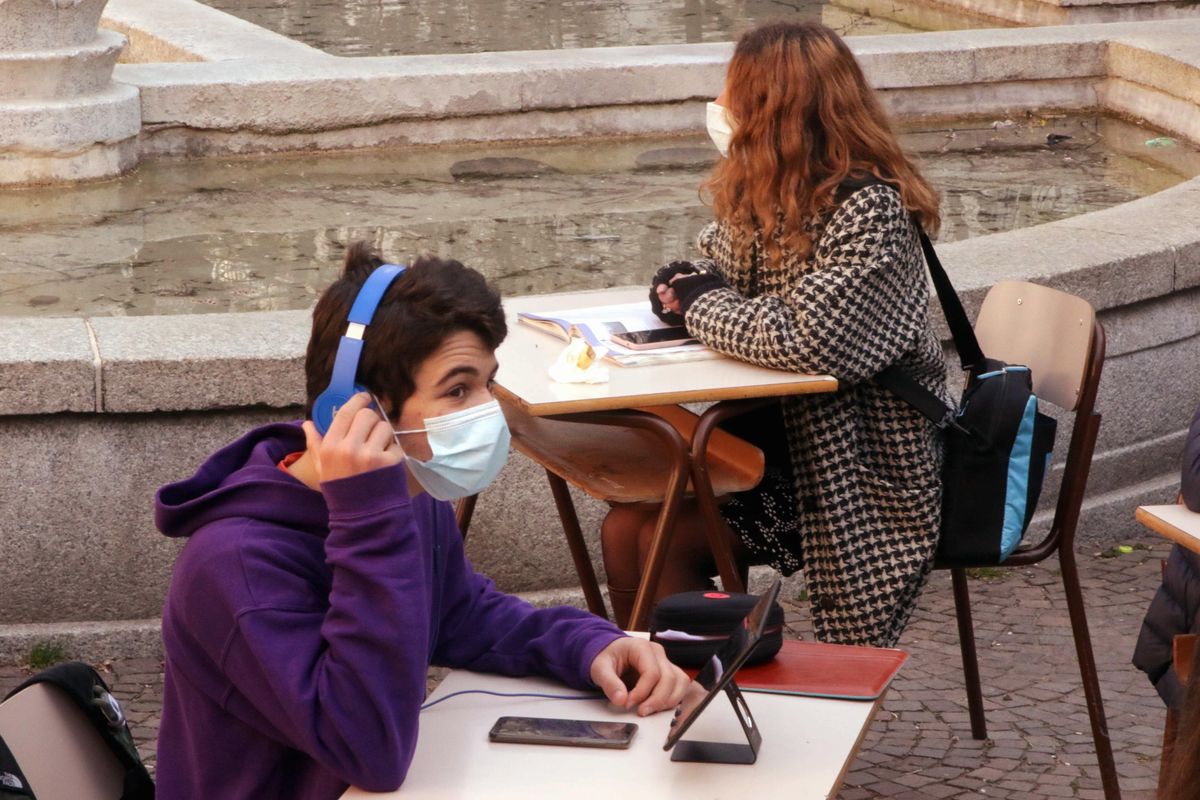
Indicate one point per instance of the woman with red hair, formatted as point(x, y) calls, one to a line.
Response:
point(813, 265)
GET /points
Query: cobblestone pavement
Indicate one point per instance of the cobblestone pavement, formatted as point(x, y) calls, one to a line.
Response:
point(920, 746)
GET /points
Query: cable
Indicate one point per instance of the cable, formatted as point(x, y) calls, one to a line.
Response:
point(514, 694)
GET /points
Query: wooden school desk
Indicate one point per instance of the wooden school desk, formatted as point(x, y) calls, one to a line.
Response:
point(807, 746)
point(524, 384)
point(1175, 522)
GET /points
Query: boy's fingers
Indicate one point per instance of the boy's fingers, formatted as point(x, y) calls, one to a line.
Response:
point(346, 414)
point(610, 683)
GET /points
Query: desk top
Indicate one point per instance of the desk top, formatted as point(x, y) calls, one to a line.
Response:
point(1175, 522)
point(527, 353)
point(807, 745)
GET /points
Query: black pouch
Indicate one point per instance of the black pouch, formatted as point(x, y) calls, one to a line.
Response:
point(692, 626)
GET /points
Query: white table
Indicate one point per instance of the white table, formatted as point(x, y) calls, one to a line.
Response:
point(1174, 522)
point(522, 382)
point(808, 744)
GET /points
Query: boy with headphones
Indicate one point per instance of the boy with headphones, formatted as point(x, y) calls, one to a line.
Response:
point(324, 572)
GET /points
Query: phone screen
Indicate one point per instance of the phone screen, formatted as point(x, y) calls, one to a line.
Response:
point(570, 732)
point(656, 336)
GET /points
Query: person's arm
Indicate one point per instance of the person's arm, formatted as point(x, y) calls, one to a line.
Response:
point(344, 684)
point(486, 630)
point(861, 306)
point(1189, 479)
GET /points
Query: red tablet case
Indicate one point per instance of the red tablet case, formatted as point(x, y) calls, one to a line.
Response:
point(834, 671)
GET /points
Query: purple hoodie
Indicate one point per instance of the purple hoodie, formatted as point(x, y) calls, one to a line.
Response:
point(299, 626)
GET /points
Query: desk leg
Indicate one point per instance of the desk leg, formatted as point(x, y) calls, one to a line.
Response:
point(733, 578)
point(677, 450)
point(579, 552)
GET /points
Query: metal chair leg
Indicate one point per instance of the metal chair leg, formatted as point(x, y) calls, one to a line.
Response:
point(966, 643)
point(579, 551)
point(1087, 671)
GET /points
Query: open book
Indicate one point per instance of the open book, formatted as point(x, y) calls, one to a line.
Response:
point(597, 325)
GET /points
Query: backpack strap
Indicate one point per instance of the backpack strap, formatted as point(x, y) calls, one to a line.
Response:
point(87, 690)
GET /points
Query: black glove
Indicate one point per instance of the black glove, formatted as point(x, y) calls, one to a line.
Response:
point(690, 287)
point(663, 276)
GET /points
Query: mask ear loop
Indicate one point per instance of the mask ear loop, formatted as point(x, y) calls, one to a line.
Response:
point(379, 407)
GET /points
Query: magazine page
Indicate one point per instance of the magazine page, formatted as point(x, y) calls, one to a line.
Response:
point(597, 325)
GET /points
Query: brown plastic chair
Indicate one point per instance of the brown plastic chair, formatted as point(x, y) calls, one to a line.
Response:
point(1057, 336)
point(62, 755)
point(652, 456)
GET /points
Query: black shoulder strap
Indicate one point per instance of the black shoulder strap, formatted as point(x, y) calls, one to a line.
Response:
point(899, 382)
point(961, 331)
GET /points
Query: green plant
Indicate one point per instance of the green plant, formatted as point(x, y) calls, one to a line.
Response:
point(46, 654)
point(986, 573)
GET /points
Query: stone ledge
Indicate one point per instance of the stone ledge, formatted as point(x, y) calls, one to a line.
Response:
point(172, 363)
point(46, 366)
point(194, 31)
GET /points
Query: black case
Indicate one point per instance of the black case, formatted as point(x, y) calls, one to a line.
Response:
point(713, 615)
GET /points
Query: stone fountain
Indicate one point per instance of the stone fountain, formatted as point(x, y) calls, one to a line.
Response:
point(62, 117)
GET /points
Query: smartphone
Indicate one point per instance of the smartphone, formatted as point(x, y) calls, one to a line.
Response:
point(655, 337)
point(570, 732)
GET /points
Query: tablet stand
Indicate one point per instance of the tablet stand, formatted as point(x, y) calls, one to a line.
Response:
point(725, 752)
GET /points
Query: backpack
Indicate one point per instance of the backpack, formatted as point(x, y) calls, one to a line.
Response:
point(997, 444)
point(87, 690)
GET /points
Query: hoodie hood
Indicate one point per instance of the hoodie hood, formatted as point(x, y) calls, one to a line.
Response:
point(243, 479)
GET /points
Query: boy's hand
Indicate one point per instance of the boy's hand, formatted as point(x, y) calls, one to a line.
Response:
point(660, 684)
point(358, 441)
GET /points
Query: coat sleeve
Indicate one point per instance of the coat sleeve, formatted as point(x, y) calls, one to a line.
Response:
point(486, 630)
point(345, 685)
point(861, 305)
point(1189, 480)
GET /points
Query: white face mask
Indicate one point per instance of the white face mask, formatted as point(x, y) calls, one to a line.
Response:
point(469, 450)
point(720, 127)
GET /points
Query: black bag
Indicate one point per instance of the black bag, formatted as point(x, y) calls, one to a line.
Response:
point(692, 626)
point(86, 689)
point(998, 445)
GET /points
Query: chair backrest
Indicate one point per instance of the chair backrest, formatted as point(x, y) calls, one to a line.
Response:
point(1057, 336)
point(61, 754)
point(1046, 330)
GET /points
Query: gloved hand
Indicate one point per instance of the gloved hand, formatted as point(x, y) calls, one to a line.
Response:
point(688, 288)
point(662, 277)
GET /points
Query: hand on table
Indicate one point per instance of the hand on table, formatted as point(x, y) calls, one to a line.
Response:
point(358, 440)
point(660, 684)
point(662, 299)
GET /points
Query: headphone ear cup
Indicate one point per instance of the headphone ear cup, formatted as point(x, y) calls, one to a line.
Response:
point(326, 406)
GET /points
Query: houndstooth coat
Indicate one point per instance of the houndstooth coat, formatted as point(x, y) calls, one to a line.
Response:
point(866, 465)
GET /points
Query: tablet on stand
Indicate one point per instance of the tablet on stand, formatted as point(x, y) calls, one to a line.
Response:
point(715, 677)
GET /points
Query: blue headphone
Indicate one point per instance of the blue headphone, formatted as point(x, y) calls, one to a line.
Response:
point(343, 386)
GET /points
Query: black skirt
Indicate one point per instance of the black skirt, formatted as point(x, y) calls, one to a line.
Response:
point(764, 518)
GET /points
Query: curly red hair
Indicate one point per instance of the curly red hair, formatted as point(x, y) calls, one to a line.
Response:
point(806, 120)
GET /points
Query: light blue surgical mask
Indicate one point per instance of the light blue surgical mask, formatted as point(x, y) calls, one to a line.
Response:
point(469, 450)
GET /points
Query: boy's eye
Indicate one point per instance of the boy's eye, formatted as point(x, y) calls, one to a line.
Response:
point(457, 392)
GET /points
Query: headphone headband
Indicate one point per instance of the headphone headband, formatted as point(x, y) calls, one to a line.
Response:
point(343, 383)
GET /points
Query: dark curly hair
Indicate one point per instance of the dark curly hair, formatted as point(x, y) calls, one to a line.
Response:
point(433, 299)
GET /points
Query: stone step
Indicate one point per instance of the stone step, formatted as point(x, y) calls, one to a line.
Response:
point(47, 24)
point(60, 73)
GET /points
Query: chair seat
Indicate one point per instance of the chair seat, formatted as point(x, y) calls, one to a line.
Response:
point(597, 459)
